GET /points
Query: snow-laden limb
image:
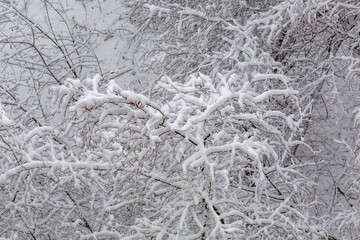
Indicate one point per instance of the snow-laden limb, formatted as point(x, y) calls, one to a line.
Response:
point(182, 38)
point(201, 160)
point(231, 150)
point(319, 49)
point(207, 152)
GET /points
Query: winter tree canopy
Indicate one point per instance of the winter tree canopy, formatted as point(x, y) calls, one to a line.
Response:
point(179, 119)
